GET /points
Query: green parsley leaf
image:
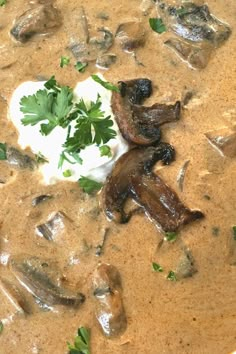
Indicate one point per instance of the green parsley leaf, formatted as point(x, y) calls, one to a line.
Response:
point(105, 150)
point(170, 236)
point(3, 2)
point(234, 232)
point(52, 106)
point(3, 151)
point(67, 173)
point(51, 83)
point(156, 267)
point(105, 84)
point(92, 127)
point(1, 327)
point(64, 61)
point(40, 158)
point(79, 66)
point(88, 185)
point(157, 25)
point(81, 343)
point(171, 276)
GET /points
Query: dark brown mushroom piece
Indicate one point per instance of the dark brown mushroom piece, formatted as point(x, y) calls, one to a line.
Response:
point(131, 35)
point(109, 308)
point(132, 177)
point(43, 280)
point(196, 56)
point(140, 124)
point(224, 140)
point(40, 19)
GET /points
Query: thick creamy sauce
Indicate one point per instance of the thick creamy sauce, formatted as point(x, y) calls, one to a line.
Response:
point(193, 315)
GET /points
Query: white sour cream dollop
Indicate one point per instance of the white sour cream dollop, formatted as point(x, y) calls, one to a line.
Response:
point(94, 166)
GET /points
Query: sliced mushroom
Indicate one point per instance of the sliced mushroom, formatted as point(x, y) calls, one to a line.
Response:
point(132, 177)
point(196, 56)
point(84, 48)
point(140, 124)
point(224, 140)
point(109, 309)
point(161, 203)
point(40, 19)
point(43, 280)
point(131, 35)
point(196, 23)
point(14, 296)
point(52, 227)
point(20, 160)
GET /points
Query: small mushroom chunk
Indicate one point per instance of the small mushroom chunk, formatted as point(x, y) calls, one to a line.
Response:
point(196, 23)
point(38, 20)
point(40, 199)
point(140, 124)
point(104, 41)
point(132, 177)
point(105, 61)
point(109, 309)
point(196, 56)
point(43, 280)
point(131, 35)
point(224, 140)
point(52, 227)
point(18, 159)
point(14, 296)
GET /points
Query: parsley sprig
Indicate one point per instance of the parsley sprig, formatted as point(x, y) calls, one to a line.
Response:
point(53, 106)
point(81, 343)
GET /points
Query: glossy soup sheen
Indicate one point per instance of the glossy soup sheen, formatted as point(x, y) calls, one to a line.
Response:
point(192, 315)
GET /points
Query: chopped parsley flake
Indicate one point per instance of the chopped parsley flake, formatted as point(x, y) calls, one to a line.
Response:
point(170, 236)
point(40, 158)
point(1, 327)
point(3, 151)
point(81, 343)
point(156, 267)
point(105, 150)
point(79, 66)
point(157, 25)
point(3, 2)
point(64, 61)
point(171, 276)
point(67, 173)
point(88, 185)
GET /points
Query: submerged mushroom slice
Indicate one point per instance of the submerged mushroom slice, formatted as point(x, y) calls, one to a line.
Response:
point(139, 124)
point(196, 56)
point(43, 280)
point(40, 19)
point(107, 291)
point(224, 140)
point(132, 177)
point(196, 23)
point(18, 159)
point(130, 35)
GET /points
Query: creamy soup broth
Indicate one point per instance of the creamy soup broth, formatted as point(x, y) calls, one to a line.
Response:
point(191, 315)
